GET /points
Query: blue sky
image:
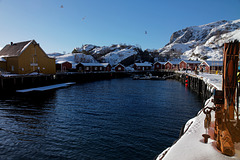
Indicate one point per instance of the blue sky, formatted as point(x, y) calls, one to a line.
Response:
point(62, 25)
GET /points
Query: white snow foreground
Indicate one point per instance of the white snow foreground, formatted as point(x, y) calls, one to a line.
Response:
point(191, 145)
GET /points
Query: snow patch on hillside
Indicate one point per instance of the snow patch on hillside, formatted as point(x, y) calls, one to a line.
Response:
point(117, 56)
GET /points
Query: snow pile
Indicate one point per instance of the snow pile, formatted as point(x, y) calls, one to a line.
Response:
point(191, 145)
point(202, 42)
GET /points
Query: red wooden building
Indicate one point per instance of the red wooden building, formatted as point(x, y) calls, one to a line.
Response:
point(211, 66)
point(142, 66)
point(168, 65)
point(119, 68)
point(158, 66)
point(107, 67)
point(172, 65)
point(93, 67)
point(190, 65)
point(63, 66)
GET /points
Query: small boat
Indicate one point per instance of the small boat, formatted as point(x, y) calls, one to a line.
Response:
point(136, 77)
point(147, 77)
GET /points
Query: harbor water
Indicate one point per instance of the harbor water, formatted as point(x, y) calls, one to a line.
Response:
point(109, 119)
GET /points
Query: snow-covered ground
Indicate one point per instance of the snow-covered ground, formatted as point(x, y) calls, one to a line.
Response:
point(191, 146)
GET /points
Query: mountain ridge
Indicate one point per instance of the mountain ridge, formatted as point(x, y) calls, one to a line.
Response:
point(203, 42)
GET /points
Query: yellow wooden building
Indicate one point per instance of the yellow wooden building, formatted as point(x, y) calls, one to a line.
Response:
point(26, 57)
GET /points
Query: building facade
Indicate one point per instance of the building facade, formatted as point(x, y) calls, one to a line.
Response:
point(189, 65)
point(119, 68)
point(211, 66)
point(142, 66)
point(93, 67)
point(63, 66)
point(27, 57)
point(159, 66)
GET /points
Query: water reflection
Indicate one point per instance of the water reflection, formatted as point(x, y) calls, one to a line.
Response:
point(26, 114)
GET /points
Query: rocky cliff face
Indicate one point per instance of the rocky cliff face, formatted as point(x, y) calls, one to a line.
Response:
point(202, 42)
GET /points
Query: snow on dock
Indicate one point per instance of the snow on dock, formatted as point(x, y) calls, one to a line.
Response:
point(45, 88)
point(191, 144)
point(214, 80)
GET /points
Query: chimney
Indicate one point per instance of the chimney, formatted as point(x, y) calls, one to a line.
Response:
point(11, 43)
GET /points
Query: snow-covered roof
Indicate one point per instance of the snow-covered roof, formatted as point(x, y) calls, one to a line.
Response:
point(160, 62)
point(93, 64)
point(174, 62)
point(193, 62)
point(105, 64)
point(15, 49)
point(147, 64)
point(214, 63)
point(119, 64)
point(61, 62)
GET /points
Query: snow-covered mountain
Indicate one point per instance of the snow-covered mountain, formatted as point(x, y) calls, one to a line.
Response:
point(202, 42)
point(192, 43)
point(110, 54)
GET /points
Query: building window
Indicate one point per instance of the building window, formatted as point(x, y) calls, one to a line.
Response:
point(157, 65)
point(12, 67)
point(95, 68)
point(100, 68)
point(119, 68)
point(87, 68)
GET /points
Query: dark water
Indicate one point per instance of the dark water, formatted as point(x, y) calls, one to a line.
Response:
point(113, 119)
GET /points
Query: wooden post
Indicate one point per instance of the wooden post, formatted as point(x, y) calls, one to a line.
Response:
point(225, 112)
point(230, 63)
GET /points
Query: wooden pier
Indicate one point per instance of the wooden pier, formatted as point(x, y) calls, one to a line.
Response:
point(196, 84)
point(13, 83)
